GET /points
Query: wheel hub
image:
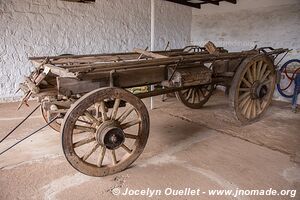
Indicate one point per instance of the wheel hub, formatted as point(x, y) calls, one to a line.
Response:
point(258, 90)
point(110, 135)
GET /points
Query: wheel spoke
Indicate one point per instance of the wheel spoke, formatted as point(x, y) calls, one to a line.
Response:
point(242, 104)
point(265, 75)
point(115, 109)
point(199, 96)
point(85, 128)
point(249, 75)
point(83, 142)
point(246, 94)
point(263, 105)
point(125, 114)
point(267, 82)
point(259, 69)
point(131, 136)
point(246, 106)
point(97, 109)
point(185, 91)
point(258, 106)
point(244, 89)
point(254, 113)
point(189, 94)
point(113, 157)
point(126, 148)
point(129, 124)
point(101, 156)
point(254, 71)
point(262, 71)
point(83, 121)
point(249, 109)
point(193, 96)
point(246, 82)
point(89, 153)
point(91, 117)
point(103, 111)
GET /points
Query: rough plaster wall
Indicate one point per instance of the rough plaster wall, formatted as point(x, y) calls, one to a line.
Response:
point(53, 27)
point(273, 23)
point(172, 24)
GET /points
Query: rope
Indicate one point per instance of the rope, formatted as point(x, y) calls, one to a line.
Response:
point(20, 123)
point(29, 135)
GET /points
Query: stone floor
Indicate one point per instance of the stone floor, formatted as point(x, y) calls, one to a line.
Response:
point(199, 149)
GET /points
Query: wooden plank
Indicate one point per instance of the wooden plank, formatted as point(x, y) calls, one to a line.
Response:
point(149, 54)
point(130, 78)
point(31, 85)
point(157, 62)
point(127, 59)
point(75, 86)
point(211, 48)
point(136, 77)
point(86, 60)
point(124, 65)
point(98, 55)
point(59, 71)
point(71, 62)
point(45, 92)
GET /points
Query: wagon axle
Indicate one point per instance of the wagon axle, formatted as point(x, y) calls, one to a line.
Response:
point(258, 90)
point(110, 135)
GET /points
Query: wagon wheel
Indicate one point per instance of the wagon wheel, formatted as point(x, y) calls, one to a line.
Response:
point(55, 125)
point(195, 97)
point(252, 88)
point(113, 136)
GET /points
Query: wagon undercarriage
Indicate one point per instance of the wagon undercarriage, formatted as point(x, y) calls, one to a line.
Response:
point(105, 127)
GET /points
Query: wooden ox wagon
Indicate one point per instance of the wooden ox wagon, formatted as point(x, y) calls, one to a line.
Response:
point(105, 128)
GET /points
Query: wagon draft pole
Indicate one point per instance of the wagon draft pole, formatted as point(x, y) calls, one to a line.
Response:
point(104, 127)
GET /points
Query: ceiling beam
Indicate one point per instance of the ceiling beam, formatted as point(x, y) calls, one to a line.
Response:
point(210, 1)
point(198, 3)
point(231, 1)
point(194, 5)
point(81, 1)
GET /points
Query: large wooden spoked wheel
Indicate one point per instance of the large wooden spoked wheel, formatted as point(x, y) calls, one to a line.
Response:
point(195, 97)
point(113, 137)
point(252, 88)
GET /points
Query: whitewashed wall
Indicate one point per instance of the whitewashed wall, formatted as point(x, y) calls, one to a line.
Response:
point(53, 27)
point(172, 24)
point(273, 23)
